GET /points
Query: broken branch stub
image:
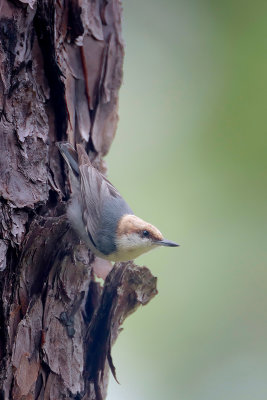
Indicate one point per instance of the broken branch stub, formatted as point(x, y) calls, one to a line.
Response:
point(126, 288)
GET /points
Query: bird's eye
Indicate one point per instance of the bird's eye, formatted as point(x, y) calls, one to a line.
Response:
point(145, 233)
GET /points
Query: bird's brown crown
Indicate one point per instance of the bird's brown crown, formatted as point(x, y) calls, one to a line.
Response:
point(129, 224)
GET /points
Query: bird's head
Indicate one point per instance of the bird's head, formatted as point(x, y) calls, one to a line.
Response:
point(135, 237)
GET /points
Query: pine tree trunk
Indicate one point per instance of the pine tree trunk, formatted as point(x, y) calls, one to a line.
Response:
point(60, 72)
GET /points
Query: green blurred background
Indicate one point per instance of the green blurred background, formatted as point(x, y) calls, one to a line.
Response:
point(190, 157)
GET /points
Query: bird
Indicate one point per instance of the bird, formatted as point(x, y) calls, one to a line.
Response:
point(101, 217)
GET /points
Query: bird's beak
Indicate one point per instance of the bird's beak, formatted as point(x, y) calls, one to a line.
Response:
point(165, 242)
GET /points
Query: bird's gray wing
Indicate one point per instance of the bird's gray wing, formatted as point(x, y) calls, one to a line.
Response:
point(70, 156)
point(96, 193)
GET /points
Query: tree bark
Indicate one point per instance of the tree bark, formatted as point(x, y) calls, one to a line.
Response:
point(60, 73)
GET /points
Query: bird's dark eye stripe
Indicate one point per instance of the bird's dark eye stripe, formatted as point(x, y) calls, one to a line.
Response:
point(145, 233)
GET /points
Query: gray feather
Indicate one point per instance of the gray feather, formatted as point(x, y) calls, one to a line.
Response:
point(102, 207)
point(96, 206)
point(70, 156)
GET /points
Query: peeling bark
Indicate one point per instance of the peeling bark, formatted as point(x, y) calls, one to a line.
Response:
point(60, 73)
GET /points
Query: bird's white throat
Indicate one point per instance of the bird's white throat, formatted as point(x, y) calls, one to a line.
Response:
point(131, 246)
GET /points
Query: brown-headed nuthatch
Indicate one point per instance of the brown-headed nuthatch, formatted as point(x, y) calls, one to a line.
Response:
point(101, 217)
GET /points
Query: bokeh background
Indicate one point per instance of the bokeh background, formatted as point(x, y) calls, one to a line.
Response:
point(190, 157)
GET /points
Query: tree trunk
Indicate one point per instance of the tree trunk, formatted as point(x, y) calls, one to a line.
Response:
point(60, 72)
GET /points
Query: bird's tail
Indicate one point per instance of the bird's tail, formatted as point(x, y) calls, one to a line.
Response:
point(70, 156)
